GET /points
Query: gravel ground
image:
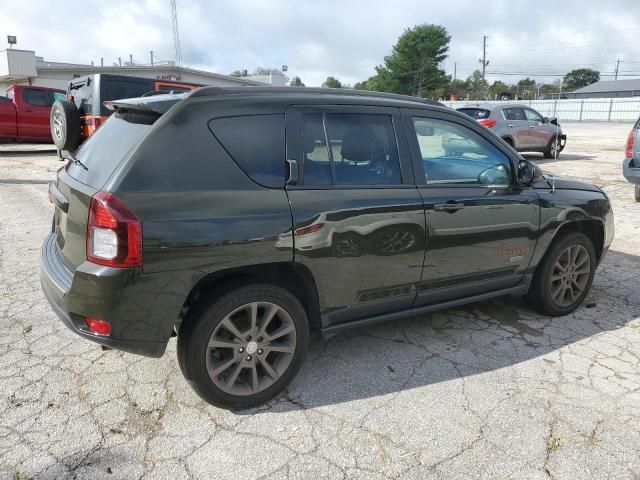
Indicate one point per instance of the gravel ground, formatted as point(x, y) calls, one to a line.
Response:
point(491, 390)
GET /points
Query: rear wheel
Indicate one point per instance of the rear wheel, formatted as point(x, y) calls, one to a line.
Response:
point(244, 348)
point(509, 141)
point(564, 277)
point(65, 125)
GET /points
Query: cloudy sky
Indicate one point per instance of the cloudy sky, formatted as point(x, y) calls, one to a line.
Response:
point(346, 39)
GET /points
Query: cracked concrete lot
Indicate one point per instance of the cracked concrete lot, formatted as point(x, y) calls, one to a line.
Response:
point(491, 390)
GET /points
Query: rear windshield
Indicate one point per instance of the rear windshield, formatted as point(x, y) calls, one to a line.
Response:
point(477, 113)
point(105, 149)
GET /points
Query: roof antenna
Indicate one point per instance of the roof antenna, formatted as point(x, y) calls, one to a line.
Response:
point(557, 146)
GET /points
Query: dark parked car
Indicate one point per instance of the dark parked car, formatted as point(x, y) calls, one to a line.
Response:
point(75, 119)
point(245, 219)
point(631, 163)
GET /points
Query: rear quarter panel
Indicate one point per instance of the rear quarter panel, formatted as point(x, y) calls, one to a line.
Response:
point(8, 120)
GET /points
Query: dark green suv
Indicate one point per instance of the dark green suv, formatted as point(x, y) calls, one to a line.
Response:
point(244, 220)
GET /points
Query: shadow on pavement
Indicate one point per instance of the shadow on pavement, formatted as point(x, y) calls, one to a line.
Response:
point(478, 338)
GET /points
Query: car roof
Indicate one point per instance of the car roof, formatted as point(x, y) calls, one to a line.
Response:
point(493, 106)
point(297, 92)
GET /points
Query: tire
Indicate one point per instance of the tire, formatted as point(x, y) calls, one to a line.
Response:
point(553, 144)
point(509, 142)
point(637, 193)
point(64, 121)
point(234, 386)
point(541, 293)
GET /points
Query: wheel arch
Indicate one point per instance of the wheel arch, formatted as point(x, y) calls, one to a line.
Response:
point(592, 228)
point(292, 276)
point(509, 139)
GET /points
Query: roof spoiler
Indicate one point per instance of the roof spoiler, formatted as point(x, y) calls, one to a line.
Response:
point(154, 105)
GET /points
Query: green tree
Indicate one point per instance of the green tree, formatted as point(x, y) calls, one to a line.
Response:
point(498, 89)
point(267, 71)
point(476, 85)
point(332, 82)
point(237, 73)
point(296, 82)
point(581, 77)
point(413, 68)
point(526, 89)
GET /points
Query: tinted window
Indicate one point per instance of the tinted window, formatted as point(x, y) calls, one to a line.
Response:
point(39, 98)
point(362, 150)
point(514, 114)
point(477, 113)
point(256, 143)
point(105, 149)
point(119, 89)
point(452, 153)
point(532, 116)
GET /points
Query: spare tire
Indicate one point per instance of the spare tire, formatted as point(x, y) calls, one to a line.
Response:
point(65, 125)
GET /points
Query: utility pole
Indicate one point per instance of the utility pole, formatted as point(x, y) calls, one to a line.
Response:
point(483, 60)
point(455, 68)
point(151, 53)
point(617, 66)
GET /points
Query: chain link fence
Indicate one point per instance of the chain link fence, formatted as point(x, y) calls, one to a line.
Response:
point(579, 110)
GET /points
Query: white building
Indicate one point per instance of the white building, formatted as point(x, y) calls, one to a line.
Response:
point(22, 66)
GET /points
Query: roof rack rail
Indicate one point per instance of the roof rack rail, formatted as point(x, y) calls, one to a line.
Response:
point(222, 91)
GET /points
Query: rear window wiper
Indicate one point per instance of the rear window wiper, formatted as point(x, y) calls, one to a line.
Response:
point(66, 155)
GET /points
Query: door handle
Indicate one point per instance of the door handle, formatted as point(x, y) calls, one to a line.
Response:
point(27, 110)
point(448, 207)
point(510, 126)
point(532, 126)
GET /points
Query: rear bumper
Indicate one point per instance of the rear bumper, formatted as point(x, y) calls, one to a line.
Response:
point(92, 290)
point(631, 171)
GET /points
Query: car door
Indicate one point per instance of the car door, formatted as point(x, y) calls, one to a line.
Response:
point(358, 220)
point(481, 226)
point(539, 132)
point(33, 114)
point(518, 126)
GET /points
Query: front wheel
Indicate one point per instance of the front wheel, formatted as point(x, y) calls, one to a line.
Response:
point(244, 348)
point(564, 277)
point(553, 148)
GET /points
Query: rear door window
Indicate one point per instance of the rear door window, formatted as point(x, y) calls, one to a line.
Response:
point(38, 98)
point(362, 150)
point(256, 143)
point(104, 150)
point(477, 113)
point(514, 114)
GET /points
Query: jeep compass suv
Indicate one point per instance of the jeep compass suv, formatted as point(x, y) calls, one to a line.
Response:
point(244, 219)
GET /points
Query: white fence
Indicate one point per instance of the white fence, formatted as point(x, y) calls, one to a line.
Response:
point(579, 110)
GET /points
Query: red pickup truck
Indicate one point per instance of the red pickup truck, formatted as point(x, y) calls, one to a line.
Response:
point(24, 113)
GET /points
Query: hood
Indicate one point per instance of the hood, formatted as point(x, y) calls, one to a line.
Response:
point(565, 183)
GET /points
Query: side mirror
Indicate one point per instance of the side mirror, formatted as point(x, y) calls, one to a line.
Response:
point(528, 173)
point(545, 119)
point(554, 120)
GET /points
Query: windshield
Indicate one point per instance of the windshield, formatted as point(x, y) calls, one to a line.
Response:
point(104, 150)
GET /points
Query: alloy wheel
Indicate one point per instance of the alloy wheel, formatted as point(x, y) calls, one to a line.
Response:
point(251, 348)
point(570, 275)
point(57, 124)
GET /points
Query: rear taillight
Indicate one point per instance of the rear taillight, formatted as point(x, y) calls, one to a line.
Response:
point(310, 229)
point(114, 233)
point(631, 143)
point(488, 122)
point(98, 327)
point(96, 122)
